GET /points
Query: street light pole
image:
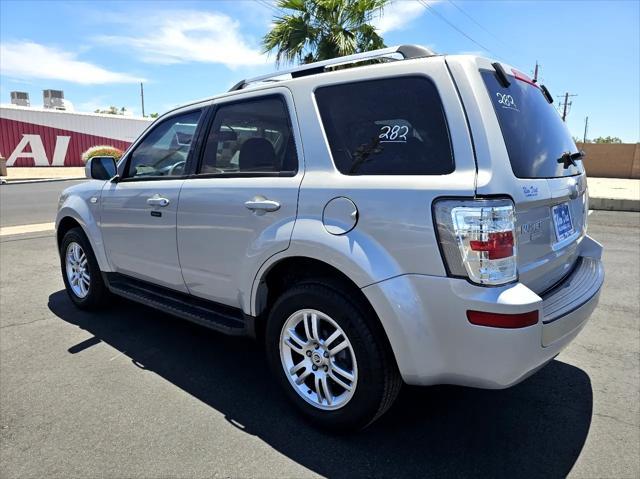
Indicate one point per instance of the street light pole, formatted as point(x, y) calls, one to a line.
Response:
point(142, 98)
point(586, 125)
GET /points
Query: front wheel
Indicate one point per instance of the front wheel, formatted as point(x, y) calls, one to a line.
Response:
point(80, 271)
point(331, 361)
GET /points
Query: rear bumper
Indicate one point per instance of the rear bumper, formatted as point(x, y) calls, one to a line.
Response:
point(434, 343)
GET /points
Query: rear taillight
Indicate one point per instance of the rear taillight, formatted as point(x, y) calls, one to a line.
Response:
point(478, 239)
point(498, 245)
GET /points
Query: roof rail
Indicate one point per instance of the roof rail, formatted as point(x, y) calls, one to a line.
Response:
point(407, 52)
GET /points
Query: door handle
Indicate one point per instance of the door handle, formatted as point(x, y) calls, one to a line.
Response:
point(262, 205)
point(157, 201)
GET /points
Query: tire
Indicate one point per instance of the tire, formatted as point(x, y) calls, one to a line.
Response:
point(88, 296)
point(376, 380)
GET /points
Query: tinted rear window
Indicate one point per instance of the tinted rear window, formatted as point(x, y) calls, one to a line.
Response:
point(535, 135)
point(394, 126)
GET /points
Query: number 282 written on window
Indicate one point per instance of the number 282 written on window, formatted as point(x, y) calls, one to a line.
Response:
point(393, 133)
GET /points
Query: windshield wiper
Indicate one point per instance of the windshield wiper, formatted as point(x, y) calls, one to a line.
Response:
point(568, 159)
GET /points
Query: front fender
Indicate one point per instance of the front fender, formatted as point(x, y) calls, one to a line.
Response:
point(78, 205)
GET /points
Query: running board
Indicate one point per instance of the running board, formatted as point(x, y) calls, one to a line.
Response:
point(209, 314)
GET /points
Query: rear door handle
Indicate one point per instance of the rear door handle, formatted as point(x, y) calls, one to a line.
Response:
point(157, 200)
point(262, 205)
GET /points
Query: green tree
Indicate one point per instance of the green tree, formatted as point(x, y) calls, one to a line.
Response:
point(154, 115)
point(314, 30)
point(112, 110)
point(607, 139)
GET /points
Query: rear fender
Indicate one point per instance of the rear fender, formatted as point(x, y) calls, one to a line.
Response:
point(358, 256)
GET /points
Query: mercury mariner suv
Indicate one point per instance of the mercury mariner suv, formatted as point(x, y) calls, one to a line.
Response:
point(390, 217)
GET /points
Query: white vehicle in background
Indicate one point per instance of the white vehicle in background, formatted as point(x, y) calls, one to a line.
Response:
point(421, 220)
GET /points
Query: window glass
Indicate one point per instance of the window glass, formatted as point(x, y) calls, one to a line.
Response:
point(535, 135)
point(393, 126)
point(251, 136)
point(164, 151)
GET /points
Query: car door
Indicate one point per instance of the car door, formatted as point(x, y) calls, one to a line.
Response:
point(241, 206)
point(138, 212)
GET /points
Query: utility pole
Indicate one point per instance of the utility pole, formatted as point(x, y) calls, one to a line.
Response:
point(586, 125)
point(566, 105)
point(142, 98)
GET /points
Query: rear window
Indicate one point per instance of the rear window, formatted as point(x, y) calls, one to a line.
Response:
point(393, 126)
point(535, 135)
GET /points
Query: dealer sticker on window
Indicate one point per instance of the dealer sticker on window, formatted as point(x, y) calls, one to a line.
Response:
point(562, 221)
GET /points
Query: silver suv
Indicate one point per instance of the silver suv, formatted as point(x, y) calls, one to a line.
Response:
point(388, 217)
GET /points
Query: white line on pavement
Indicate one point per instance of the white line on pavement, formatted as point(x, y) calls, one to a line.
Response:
point(21, 229)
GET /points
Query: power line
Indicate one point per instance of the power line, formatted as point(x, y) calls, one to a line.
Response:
point(270, 6)
point(475, 21)
point(444, 19)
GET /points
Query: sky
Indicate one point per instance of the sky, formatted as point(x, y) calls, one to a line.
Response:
point(98, 52)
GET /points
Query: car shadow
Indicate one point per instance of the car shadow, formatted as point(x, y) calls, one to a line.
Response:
point(535, 429)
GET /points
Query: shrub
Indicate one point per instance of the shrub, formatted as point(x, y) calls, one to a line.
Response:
point(103, 150)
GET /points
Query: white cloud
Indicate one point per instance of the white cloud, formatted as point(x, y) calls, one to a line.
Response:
point(399, 14)
point(32, 60)
point(190, 36)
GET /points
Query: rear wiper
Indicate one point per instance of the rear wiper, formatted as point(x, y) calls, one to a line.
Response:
point(569, 159)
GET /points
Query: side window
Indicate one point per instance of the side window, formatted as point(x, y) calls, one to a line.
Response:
point(164, 151)
point(392, 126)
point(251, 136)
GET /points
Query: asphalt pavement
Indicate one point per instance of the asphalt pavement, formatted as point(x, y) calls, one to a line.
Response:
point(131, 392)
point(31, 203)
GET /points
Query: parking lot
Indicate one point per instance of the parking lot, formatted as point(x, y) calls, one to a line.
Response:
point(132, 392)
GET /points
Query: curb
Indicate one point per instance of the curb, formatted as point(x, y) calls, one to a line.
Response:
point(614, 204)
point(40, 180)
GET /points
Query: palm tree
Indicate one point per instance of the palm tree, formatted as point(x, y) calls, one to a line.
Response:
point(313, 30)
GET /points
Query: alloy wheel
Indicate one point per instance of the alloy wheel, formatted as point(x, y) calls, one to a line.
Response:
point(77, 269)
point(318, 359)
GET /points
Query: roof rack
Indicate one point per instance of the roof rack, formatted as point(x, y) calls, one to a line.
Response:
point(407, 52)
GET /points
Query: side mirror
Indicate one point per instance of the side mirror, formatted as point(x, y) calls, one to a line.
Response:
point(101, 168)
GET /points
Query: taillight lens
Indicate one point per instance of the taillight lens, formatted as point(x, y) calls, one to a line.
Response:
point(498, 245)
point(498, 320)
point(478, 239)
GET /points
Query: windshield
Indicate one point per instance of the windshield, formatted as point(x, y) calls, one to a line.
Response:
point(535, 135)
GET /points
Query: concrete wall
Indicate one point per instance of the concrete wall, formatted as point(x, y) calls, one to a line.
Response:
point(608, 160)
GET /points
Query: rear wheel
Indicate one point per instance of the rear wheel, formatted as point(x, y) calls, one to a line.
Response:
point(80, 271)
point(332, 363)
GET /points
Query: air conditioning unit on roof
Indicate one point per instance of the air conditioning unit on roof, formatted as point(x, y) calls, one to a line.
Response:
point(20, 98)
point(53, 99)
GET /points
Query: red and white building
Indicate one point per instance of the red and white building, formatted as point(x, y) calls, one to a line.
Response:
point(48, 137)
